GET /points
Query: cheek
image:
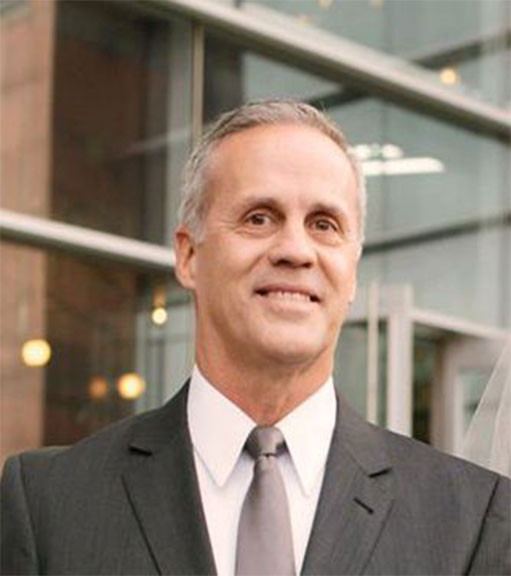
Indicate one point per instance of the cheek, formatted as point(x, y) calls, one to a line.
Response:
point(219, 267)
point(342, 277)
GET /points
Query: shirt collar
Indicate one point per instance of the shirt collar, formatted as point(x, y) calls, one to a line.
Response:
point(308, 432)
point(219, 429)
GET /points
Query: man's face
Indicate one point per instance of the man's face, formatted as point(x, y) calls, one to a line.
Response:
point(275, 270)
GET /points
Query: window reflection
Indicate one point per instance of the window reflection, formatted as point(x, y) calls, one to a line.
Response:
point(80, 349)
point(234, 75)
point(437, 194)
point(109, 113)
point(469, 39)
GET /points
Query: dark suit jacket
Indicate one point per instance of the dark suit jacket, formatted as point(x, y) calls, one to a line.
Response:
point(126, 501)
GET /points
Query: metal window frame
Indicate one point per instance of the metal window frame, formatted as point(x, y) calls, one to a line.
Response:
point(338, 59)
point(387, 77)
point(394, 305)
point(44, 233)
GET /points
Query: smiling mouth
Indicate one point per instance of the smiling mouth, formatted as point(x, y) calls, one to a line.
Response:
point(288, 295)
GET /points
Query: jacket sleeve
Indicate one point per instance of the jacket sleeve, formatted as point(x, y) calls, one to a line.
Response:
point(493, 552)
point(18, 548)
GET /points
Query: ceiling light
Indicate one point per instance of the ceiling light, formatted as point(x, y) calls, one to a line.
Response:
point(36, 352)
point(402, 166)
point(362, 151)
point(159, 315)
point(130, 386)
point(449, 76)
point(375, 150)
point(98, 388)
point(391, 152)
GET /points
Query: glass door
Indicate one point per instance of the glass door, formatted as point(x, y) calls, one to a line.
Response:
point(415, 371)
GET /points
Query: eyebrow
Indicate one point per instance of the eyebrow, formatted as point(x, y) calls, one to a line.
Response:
point(272, 203)
point(328, 208)
point(264, 201)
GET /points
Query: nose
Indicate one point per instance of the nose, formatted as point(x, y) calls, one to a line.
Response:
point(292, 246)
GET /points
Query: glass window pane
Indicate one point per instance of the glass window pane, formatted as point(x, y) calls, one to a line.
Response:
point(351, 367)
point(423, 174)
point(466, 276)
point(439, 210)
point(120, 107)
point(437, 194)
point(234, 75)
point(350, 372)
point(425, 363)
point(456, 39)
point(84, 344)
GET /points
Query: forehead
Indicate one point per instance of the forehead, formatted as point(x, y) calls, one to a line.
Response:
point(279, 156)
point(275, 137)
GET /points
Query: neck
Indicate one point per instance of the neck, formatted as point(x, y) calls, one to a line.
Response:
point(268, 391)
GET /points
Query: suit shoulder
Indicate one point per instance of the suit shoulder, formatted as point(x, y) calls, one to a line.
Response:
point(412, 451)
point(434, 471)
point(33, 466)
point(99, 451)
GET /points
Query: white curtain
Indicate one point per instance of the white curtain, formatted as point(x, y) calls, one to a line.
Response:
point(488, 438)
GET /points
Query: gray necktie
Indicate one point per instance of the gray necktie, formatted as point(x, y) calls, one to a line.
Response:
point(265, 545)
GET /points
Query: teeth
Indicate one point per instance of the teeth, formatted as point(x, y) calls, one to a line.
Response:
point(289, 295)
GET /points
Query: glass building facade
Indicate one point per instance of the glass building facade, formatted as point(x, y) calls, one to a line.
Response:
point(100, 105)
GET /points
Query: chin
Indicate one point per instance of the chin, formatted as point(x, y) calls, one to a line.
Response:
point(292, 353)
point(290, 343)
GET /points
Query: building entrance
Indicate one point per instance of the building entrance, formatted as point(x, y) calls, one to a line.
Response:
point(415, 371)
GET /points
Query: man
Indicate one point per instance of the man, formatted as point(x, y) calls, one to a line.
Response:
point(270, 236)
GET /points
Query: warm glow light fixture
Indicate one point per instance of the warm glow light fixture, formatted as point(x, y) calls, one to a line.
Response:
point(159, 315)
point(449, 76)
point(36, 352)
point(159, 312)
point(98, 388)
point(130, 386)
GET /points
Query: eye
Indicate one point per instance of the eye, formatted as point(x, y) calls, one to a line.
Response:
point(324, 224)
point(258, 219)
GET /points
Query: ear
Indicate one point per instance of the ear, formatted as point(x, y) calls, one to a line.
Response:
point(186, 253)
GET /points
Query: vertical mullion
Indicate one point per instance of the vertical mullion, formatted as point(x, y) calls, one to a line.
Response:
point(197, 80)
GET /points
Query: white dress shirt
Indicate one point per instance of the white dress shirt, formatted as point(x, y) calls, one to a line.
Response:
point(219, 429)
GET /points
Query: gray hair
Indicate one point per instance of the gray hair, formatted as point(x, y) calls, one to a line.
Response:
point(194, 201)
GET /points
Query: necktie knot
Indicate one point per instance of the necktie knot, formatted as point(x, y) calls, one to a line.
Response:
point(264, 441)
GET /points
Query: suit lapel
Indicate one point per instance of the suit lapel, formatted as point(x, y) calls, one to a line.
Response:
point(163, 489)
point(355, 499)
point(162, 486)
